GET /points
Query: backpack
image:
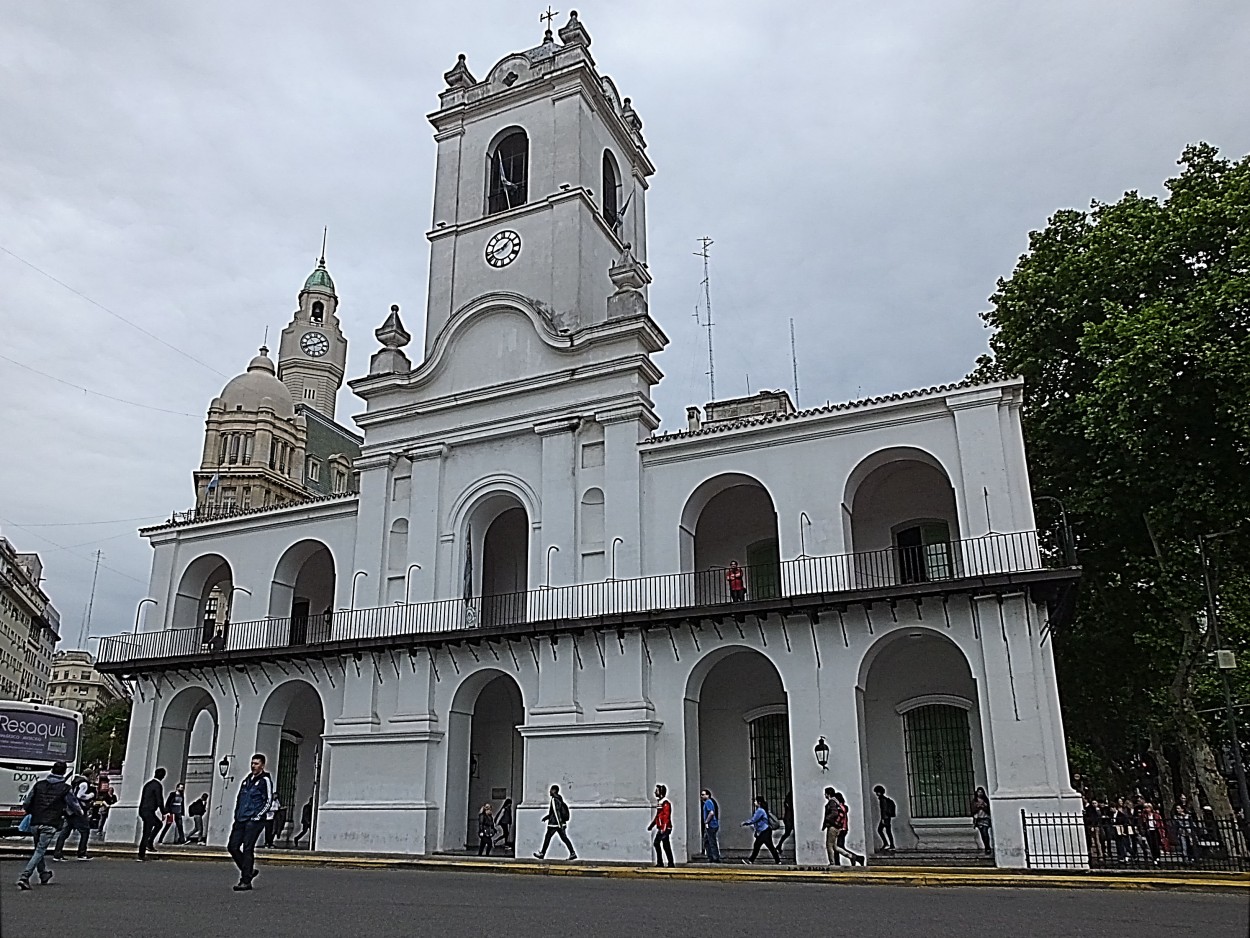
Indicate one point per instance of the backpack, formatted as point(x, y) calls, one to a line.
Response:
point(888, 808)
point(562, 811)
point(774, 823)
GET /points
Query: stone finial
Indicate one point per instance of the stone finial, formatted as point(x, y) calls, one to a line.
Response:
point(693, 422)
point(629, 276)
point(630, 117)
point(459, 76)
point(393, 336)
point(574, 33)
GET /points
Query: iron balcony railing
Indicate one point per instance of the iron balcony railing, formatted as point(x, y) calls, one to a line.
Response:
point(839, 573)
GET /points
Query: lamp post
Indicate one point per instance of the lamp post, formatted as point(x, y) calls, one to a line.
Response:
point(1224, 663)
point(1069, 549)
point(803, 520)
point(407, 578)
point(615, 541)
point(139, 611)
point(355, 578)
point(553, 547)
point(822, 754)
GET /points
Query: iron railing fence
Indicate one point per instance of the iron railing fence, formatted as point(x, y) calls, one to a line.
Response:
point(839, 573)
point(1066, 842)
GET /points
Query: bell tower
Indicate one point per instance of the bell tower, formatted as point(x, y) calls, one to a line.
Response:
point(540, 185)
point(313, 353)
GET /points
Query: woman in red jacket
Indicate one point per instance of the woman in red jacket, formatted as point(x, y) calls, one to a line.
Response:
point(662, 824)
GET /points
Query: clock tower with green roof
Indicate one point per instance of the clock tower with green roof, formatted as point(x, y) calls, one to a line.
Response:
point(313, 352)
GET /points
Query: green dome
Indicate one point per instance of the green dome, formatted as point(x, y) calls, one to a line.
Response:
point(319, 279)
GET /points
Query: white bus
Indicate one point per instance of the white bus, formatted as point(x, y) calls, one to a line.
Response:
point(32, 737)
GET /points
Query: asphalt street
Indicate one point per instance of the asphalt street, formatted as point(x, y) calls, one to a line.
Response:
point(110, 897)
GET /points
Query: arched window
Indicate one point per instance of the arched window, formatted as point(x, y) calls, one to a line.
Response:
point(938, 750)
point(611, 189)
point(507, 173)
point(318, 311)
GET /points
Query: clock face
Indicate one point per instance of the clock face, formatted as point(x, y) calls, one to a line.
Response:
point(314, 344)
point(502, 249)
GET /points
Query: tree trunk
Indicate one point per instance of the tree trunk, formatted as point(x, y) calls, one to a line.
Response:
point(1166, 782)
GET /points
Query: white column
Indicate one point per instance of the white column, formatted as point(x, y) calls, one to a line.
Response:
point(372, 523)
point(559, 500)
point(423, 515)
point(623, 428)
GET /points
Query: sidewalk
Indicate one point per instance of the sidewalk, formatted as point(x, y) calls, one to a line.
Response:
point(758, 873)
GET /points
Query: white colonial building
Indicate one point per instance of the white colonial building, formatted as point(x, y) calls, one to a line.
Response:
point(529, 587)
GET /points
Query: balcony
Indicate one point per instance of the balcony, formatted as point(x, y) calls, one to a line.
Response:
point(993, 562)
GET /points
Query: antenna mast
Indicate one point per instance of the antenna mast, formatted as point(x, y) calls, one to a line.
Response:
point(707, 242)
point(794, 364)
point(86, 616)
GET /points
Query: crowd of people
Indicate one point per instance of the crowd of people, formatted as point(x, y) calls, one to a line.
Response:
point(1132, 830)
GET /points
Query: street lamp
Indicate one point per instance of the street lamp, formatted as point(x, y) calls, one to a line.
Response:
point(553, 547)
point(1224, 664)
point(407, 576)
point(224, 766)
point(355, 578)
point(139, 611)
point(822, 754)
point(1069, 549)
point(803, 519)
point(615, 541)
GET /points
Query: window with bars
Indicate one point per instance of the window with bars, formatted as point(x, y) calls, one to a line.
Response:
point(924, 552)
point(288, 764)
point(938, 748)
point(770, 759)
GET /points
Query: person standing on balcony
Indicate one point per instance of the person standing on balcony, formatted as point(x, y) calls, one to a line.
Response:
point(250, 810)
point(151, 802)
point(662, 824)
point(887, 810)
point(711, 827)
point(736, 580)
point(980, 811)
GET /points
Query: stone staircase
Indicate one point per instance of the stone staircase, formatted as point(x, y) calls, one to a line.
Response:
point(932, 856)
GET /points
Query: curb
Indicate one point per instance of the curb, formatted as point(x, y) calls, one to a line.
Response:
point(1237, 883)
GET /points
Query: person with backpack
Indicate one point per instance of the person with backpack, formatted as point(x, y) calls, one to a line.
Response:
point(887, 811)
point(836, 823)
point(46, 805)
point(662, 824)
point(85, 792)
point(763, 823)
point(557, 818)
point(711, 827)
point(196, 813)
point(251, 808)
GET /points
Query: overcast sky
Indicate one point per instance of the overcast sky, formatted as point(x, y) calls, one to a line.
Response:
point(869, 169)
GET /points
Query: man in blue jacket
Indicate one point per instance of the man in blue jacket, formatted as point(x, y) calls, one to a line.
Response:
point(250, 808)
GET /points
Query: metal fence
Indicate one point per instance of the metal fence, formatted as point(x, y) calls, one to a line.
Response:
point(1065, 842)
point(839, 573)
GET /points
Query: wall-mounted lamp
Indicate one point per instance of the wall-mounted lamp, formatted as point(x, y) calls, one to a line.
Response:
point(553, 547)
point(804, 522)
point(224, 766)
point(408, 578)
point(822, 754)
point(355, 578)
point(139, 612)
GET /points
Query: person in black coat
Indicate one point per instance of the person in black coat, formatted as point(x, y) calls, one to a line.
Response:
point(151, 802)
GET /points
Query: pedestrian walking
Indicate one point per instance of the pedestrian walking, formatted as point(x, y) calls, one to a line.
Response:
point(251, 807)
point(105, 798)
point(485, 830)
point(557, 818)
point(763, 824)
point(504, 820)
point(199, 807)
point(835, 824)
point(275, 820)
point(175, 807)
point(84, 791)
point(305, 821)
point(980, 811)
point(711, 827)
point(887, 810)
point(736, 581)
point(47, 803)
point(787, 820)
point(1153, 832)
point(662, 824)
point(151, 802)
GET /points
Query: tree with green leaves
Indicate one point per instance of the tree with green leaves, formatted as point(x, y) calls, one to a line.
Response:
point(104, 735)
point(1130, 324)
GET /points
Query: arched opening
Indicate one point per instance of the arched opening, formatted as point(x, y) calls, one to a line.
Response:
point(737, 743)
point(507, 172)
point(499, 535)
point(187, 745)
point(318, 311)
point(397, 561)
point(611, 189)
point(302, 592)
point(923, 739)
point(486, 754)
point(728, 520)
point(289, 734)
point(904, 520)
point(202, 601)
point(591, 530)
